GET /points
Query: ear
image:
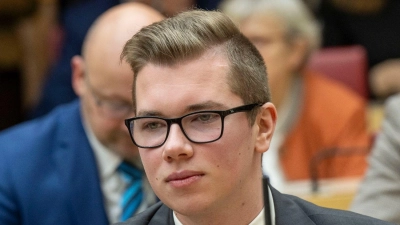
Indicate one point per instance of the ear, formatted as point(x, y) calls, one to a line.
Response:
point(78, 75)
point(266, 122)
point(298, 54)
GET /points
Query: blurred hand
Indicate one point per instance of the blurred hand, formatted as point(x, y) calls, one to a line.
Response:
point(385, 78)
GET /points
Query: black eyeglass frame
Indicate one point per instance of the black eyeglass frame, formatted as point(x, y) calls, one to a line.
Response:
point(222, 113)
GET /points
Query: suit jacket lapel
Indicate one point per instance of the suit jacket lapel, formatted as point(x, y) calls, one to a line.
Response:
point(159, 216)
point(287, 211)
point(77, 168)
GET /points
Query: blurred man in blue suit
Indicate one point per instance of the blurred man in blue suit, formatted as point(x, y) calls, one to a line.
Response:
point(63, 168)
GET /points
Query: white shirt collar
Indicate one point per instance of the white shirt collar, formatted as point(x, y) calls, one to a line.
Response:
point(260, 218)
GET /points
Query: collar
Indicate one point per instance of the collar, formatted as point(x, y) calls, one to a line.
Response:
point(260, 218)
point(107, 160)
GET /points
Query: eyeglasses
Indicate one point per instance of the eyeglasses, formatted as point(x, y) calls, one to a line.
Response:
point(198, 127)
point(110, 108)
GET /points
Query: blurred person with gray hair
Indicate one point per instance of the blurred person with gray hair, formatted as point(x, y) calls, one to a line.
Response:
point(316, 113)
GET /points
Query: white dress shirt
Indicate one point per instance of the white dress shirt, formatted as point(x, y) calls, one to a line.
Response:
point(111, 181)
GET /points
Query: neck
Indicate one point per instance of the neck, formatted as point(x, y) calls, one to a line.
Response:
point(241, 209)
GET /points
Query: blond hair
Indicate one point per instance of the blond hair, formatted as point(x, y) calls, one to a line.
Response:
point(190, 34)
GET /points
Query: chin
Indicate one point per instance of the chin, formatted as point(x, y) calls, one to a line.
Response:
point(188, 206)
point(124, 150)
point(189, 209)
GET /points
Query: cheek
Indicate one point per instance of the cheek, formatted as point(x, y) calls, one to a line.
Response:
point(274, 64)
point(110, 133)
point(275, 55)
point(152, 163)
point(151, 160)
point(104, 128)
point(235, 150)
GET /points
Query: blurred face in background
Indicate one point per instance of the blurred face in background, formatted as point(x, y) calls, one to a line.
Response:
point(105, 93)
point(103, 82)
point(282, 57)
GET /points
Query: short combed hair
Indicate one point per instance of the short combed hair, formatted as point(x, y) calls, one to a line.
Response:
point(190, 34)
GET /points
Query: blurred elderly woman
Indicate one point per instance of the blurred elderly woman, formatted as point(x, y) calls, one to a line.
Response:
point(318, 116)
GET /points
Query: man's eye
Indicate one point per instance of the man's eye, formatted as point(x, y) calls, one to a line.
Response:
point(118, 105)
point(206, 118)
point(153, 125)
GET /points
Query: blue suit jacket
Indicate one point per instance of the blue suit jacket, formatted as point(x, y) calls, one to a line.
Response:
point(48, 172)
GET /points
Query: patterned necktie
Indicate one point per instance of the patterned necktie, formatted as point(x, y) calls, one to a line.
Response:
point(133, 194)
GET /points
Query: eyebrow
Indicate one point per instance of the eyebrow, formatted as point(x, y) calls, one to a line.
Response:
point(208, 105)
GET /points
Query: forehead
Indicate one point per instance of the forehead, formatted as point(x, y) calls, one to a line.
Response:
point(172, 89)
point(262, 25)
point(109, 73)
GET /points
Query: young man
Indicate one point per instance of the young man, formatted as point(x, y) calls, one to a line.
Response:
point(63, 168)
point(203, 120)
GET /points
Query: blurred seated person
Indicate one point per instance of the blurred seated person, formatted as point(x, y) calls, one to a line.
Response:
point(379, 192)
point(75, 18)
point(69, 166)
point(317, 114)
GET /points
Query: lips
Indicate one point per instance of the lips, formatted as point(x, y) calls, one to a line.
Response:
point(183, 175)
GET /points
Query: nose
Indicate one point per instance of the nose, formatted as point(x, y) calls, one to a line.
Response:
point(177, 146)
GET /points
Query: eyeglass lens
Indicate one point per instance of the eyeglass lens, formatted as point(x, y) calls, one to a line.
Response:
point(198, 127)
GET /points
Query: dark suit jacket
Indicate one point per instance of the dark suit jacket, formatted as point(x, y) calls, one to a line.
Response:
point(289, 210)
point(48, 173)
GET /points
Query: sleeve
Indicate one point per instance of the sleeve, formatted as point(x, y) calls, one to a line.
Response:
point(379, 192)
point(8, 204)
